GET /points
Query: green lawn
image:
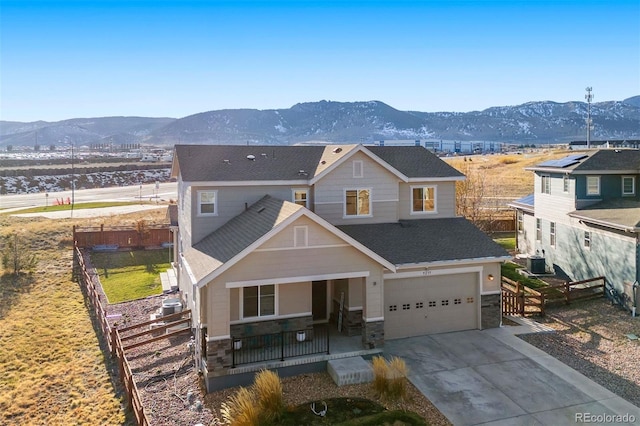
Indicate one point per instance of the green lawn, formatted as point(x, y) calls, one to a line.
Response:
point(130, 275)
point(510, 270)
point(508, 243)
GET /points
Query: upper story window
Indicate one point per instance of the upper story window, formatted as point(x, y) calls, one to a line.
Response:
point(207, 203)
point(552, 234)
point(587, 239)
point(301, 197)
point(259, 301)
point(565, 183)
point(358, 169)
point(593, 185)
point(357, 202)
point(423, 199)
point(538, 229)
point(546, 184)
point(628, 185)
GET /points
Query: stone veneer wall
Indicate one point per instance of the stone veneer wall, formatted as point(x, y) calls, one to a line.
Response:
point(351, 320)
point(490, 311)
point(218, 356)
point(372, 334)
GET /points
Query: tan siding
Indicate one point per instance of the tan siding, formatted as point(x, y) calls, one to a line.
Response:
point(234, 297)
point(329, 192)
point(355, 292)
point(446, 200)
point(294, 298)
point(316, 234)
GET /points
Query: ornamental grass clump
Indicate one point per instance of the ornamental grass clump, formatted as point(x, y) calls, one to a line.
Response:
point(241, 409)
point(260, 404)
point(268, 390)
point(389, 377)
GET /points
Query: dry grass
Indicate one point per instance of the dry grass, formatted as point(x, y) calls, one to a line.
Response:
point(389, 377)
point(54, 372)
point(241, 409)
point(268, 390)
point(506, 172)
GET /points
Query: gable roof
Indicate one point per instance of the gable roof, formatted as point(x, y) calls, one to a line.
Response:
point(623, 214)
point(415, 161)
point(603, 161)
point(303, 164)
point(427, 240)
point(225, 246)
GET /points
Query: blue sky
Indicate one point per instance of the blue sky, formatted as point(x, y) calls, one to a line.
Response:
point(67, 59)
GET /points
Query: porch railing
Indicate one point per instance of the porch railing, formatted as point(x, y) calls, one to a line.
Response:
point(279, 346)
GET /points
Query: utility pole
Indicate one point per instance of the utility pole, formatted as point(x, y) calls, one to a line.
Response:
point(589, 98)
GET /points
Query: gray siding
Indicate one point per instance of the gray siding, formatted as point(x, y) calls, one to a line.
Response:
point(445, 200)
point(230, 203)
point(329, 192)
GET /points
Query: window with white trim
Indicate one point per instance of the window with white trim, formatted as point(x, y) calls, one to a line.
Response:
point(587, 239)
point(301, 197)
point(628, 185)
point(207, 203)
point(357, 202)
point(259, 301)
point(565, 183)
point(546, 184)
point(520, 221)
point(358, 169)
point(423, 199)
point(593, 185)
point(538, 229)
point(552, 234)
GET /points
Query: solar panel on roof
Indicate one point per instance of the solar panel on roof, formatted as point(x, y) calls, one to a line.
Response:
point(567, 161)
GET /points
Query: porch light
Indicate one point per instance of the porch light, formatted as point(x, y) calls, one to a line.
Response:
point(490, 276)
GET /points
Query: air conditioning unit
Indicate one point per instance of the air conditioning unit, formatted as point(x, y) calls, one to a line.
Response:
point(171, 306)
point(536, 265)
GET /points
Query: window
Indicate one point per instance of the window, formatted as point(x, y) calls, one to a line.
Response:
point(538, 229)
point(552, 233)
point(587, 239)
point(520, 221)
point(565, 183)
point(358, 169)
point(393, 308)
point(419, 305)
point(546, 184)
point(423, 199)
point(207, 203)
point(300, 197)
point(259, 301)
point(357, 202)
point(593, 185)
point(628, 185)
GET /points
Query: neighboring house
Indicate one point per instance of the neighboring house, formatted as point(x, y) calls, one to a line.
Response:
point(584, 216)
point(281, 237)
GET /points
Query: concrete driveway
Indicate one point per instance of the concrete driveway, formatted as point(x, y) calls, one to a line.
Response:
point(493, 377)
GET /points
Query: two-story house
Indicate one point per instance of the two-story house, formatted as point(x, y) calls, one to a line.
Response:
point(284, 237)
point(584, 216)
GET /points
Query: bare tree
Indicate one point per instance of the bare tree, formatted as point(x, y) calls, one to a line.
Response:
point(16, 255)
point(476, 198)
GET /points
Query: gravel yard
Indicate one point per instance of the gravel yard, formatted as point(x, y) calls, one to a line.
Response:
point(591, 338)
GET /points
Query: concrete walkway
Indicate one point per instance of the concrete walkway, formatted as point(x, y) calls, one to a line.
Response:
point(492, 377)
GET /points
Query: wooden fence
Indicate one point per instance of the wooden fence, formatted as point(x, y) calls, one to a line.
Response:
point(518, 299)
point(112, 335)
point(122, 237)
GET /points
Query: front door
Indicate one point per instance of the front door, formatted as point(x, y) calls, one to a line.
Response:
point(319, 300)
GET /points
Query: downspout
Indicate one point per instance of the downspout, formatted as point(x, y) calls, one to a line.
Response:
point(635, 298)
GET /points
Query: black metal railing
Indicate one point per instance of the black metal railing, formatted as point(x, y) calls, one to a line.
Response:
point(282, 345)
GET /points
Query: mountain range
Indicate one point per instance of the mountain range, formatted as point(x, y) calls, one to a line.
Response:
point(327, 121)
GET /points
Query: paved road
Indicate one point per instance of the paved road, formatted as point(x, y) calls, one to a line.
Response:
point(491, 377)
point(166, 191)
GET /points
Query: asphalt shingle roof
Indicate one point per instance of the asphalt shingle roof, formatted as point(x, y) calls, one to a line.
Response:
point(611, 159)
point(618, 213)
point(426, 240)
point(237, 234)
point(202, 163)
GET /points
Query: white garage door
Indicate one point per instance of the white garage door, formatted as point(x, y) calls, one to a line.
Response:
point(428, 305)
